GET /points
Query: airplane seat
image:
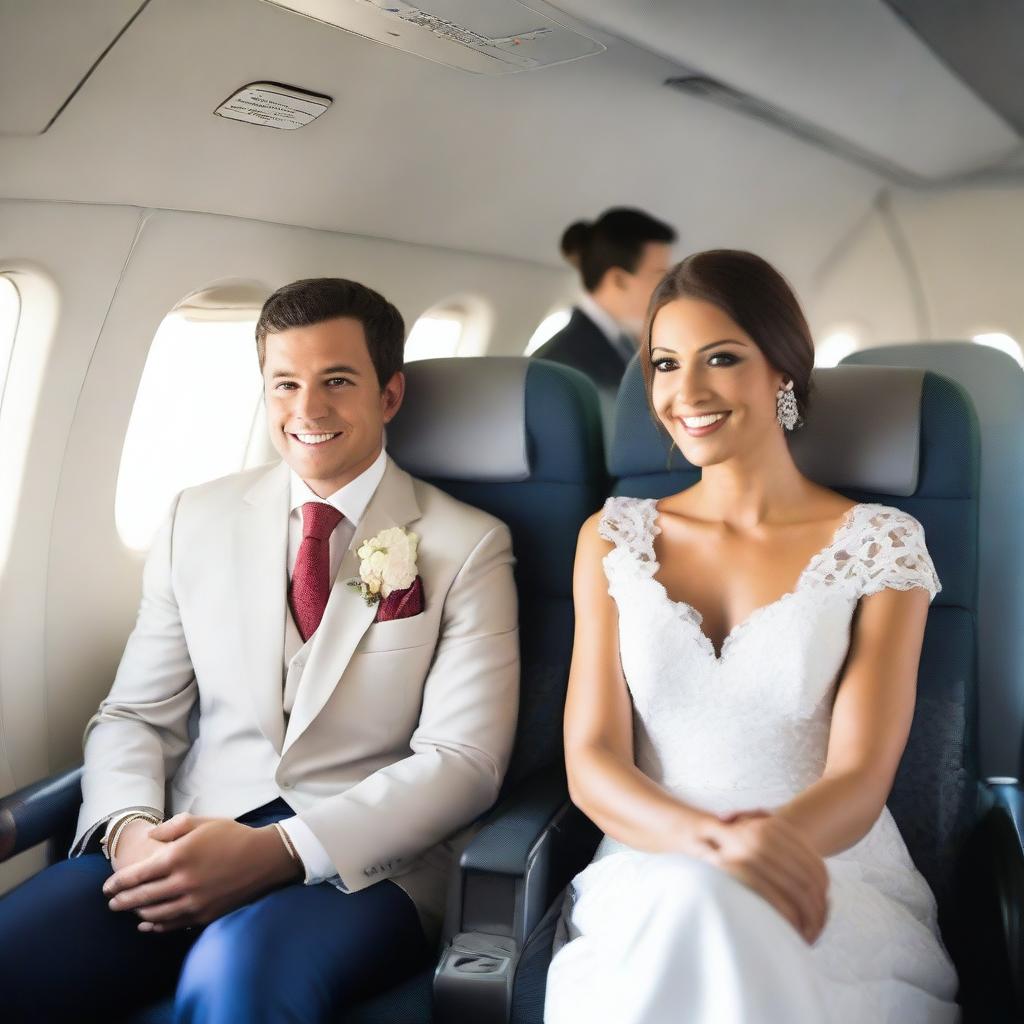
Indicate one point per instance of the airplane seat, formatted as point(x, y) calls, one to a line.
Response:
point(906, 438)
point(549, 412)
point(520, 439)
point(995, 383)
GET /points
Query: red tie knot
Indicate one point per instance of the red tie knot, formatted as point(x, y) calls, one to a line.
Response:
point(319, 519)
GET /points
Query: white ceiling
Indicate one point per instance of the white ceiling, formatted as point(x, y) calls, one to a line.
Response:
point(849, 66)
point(422, 153)
point(46, 49)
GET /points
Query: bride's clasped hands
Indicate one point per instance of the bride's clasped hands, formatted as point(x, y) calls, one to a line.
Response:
point(769, 855)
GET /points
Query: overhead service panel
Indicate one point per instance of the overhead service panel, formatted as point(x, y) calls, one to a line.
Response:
point(486, 37)
point(274, 106)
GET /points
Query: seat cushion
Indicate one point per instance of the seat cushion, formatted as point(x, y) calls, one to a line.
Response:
point(408, 1003)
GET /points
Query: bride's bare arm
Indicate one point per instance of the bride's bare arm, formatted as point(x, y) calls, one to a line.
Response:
point(603, 780)
point(870, 723)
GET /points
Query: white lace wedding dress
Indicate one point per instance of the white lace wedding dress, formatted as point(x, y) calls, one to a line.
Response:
point(668, 939)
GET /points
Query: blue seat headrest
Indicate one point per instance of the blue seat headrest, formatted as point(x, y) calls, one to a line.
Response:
point(463, 419)
point(498, 419)
point(863, 431)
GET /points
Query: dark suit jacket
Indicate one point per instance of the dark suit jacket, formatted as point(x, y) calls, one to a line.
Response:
point(582, 345)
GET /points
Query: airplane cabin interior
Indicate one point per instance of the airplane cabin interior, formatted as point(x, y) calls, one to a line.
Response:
point(166, 165)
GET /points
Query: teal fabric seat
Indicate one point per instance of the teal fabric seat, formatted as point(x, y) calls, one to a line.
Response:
point(995, 383)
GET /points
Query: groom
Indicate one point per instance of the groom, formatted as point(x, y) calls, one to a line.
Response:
point(319, 693)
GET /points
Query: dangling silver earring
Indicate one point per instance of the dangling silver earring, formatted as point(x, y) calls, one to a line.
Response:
point(787, 411)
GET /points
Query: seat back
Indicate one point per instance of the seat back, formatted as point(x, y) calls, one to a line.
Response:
point(906, 438)
point(641, 461)
point(520, 439)
point(996, 385)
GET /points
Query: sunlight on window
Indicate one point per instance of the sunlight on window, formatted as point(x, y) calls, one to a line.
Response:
point(192, 419)
point(1004, 343)
point(834, 348)
point(547, 329)
point(433, 337)
point(10, 309)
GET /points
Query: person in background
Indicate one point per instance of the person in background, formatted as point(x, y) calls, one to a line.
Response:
point(621, 257)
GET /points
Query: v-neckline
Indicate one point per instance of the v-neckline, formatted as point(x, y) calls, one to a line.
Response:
point(698, 619)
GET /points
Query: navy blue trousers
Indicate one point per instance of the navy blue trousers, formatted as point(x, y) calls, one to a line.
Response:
point(300, 953)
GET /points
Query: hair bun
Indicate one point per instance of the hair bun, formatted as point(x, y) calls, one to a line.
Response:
point(575, 239)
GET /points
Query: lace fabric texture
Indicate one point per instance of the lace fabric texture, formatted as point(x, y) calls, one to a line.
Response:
point(748, 727)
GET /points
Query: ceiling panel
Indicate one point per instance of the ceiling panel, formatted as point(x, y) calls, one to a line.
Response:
point(415, 151)
point(983, 45)
point(849, 66)
point(46, 49)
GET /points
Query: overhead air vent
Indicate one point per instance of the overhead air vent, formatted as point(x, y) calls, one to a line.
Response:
point(274, 106)
point(487, 37)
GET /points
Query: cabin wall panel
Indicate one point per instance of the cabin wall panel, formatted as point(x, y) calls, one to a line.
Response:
point(863, 285)
point(969, 248)
point(79, 251)
point(928, 265)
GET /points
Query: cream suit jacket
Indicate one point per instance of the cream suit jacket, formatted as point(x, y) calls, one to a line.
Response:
point(401, 731)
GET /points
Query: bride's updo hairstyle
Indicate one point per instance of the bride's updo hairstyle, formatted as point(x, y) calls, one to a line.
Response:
point(751, 292)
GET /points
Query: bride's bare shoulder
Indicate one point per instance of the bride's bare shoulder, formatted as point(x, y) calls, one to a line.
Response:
point(825, 504)
point(591, 539)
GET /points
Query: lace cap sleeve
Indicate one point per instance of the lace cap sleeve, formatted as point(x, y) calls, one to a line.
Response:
point(885, 549)
point(630, 524)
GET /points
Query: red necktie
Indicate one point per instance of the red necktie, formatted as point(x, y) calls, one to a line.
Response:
point(311, 578)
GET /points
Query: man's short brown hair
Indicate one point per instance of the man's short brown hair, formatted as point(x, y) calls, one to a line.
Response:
point(316, 299)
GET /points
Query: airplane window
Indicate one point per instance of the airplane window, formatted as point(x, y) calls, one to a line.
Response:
point(192, 420)
point(835, 347)
point(10, 309)
point(1004, 343)
point(433, 336)
point(547, 329)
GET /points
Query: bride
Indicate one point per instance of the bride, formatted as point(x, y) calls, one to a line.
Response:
point(742, 687)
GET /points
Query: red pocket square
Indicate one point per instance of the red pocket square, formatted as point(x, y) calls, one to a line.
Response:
point(401, 604)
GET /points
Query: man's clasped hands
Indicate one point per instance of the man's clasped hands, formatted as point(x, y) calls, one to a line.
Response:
point(189, 870)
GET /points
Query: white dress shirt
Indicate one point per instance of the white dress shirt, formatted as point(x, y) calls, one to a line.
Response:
point(607, 325)
point(351, 501)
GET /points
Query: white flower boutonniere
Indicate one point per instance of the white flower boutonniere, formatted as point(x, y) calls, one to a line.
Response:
point(387, 563)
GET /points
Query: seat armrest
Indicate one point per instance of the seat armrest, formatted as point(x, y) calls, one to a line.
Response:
point(510, 830)
point(1006, 818)
point(990, 907)
point(525, 854)
point(39, 812)
point(1008, 796)
point(528, 850)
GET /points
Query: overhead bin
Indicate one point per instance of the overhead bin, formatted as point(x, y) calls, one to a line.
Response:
point(486, 37)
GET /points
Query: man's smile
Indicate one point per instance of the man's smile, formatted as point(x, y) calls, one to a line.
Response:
point(313, 440)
